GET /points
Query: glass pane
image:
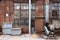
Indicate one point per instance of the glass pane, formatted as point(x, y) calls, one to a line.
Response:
point(33, 6)
point(21, 22)
point(58, 4)
point(52, 4)
point(54, 8)
point(59, 14)
point(24, 13)
point(54, 13)
point(58, 8)
point(16, 22)
point(55, 4)
point(24, 6)
point(17, 14)
point(24, 22)
point(16, 5)
point(33, 13)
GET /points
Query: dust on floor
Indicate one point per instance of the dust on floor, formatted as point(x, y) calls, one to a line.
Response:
point(26, 37)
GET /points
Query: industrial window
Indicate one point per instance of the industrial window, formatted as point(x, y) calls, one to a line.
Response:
point(33, 11)
point(33, 17)
point(59, 11)
point(24, 14)
point(24, 10)
point(54, 14)
point(24, 22)
point(56, 8)
point(24, 6)
point(21, 13)
point(16, 14)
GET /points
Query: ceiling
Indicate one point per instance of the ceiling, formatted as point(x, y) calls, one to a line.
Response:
point(31, 0)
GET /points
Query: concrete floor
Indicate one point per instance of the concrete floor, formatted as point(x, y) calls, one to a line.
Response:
point(26, 37)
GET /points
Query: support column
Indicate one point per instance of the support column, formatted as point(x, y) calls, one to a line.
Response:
point(46, 10)
point(39, 16)
point(29, 16)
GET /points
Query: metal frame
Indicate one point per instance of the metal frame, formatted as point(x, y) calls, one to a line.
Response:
point(47, 10)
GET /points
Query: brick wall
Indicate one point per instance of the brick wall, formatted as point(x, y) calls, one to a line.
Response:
point(1, 14)
point(9, 10)
point(4, 10)
point(39, 21)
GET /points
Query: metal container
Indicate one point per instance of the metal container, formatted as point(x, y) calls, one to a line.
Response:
point(6, 31)
point(16, 31)
point(7, 25)
point(6, 28)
